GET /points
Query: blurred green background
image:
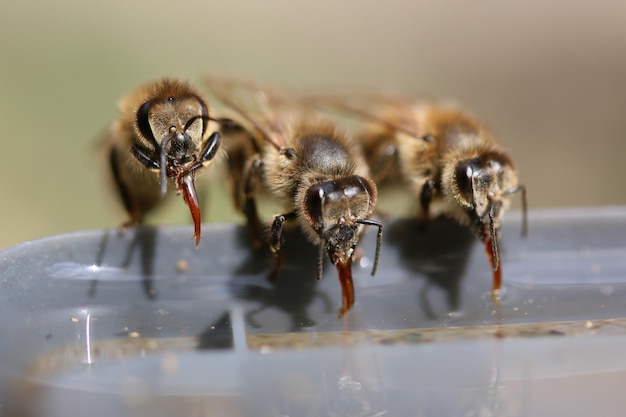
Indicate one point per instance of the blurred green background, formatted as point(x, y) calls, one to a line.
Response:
point(548, 77)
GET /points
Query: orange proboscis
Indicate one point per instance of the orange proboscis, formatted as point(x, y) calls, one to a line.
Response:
point(347, 287)
point(188, 188)
point(497, 272)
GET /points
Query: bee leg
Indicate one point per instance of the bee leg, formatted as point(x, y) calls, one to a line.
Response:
point(238, 155)
point(143, 157)
point(426, 196)
point(210, 148)
point(235, 168)
point(251, 175)
point(130, 204)
point(277, 240)
point(208, 152)
point(133, 207)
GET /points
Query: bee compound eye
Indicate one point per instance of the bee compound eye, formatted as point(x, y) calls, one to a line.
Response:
point(463, 174)
point(143, 122)
point(313, 204)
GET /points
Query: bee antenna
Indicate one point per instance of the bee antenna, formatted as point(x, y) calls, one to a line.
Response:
point(194, 118)
point(379, 240)
point(521, 188)
point(162, 162)
point(494, 238)
point(320, 263)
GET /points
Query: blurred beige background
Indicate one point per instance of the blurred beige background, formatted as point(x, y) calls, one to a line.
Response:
point(549, 77)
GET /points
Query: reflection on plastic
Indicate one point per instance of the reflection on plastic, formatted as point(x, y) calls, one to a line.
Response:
point(216, 338)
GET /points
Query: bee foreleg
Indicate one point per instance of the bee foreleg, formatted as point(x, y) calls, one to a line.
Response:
point(146, 160)
point(426, 196)
point(276, 241)
point(251, 175)
point(130, 203)
point(208, 152)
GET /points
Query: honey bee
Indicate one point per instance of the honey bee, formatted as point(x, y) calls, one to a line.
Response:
point(448, 158)
point(161, 138)
point(311, 166)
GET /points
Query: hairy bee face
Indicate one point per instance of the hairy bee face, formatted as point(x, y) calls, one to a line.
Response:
point(175, 127)
point(162, 132)
point(334, 209)
point(482, 187)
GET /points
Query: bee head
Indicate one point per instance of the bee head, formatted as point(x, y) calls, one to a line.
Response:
point(482, 187)
point(337, 211)
point(174, 125)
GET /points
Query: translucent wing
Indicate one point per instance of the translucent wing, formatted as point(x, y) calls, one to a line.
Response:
point(263, 110)
point(394, 111)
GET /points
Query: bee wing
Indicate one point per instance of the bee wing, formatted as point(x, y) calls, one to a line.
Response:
point(394, 111)
point(265, 111)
